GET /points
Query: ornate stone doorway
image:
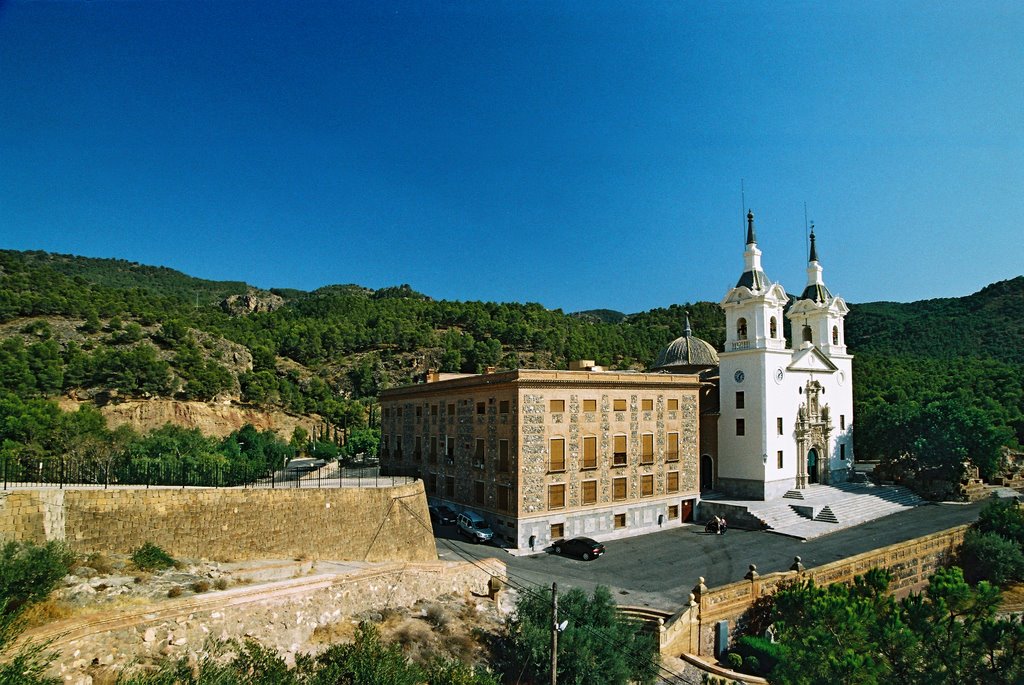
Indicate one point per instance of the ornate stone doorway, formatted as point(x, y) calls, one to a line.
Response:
point(813, 429)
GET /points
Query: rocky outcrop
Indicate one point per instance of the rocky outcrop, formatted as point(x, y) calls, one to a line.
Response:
point(252, 302)
point(212, 419)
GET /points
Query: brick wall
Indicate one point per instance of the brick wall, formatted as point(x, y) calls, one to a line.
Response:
point(371, 524)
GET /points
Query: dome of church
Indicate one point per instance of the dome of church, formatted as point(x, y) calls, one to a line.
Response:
point(686, 354)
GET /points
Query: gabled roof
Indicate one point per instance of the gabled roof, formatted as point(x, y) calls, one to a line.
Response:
point(811, 359)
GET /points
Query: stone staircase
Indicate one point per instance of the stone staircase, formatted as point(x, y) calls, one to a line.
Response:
point(821, 509)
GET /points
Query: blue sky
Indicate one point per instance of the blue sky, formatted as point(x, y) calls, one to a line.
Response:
point(578, 154)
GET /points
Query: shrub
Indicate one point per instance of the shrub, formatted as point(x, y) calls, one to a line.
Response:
point(174, 592)
point(991, 557)
point(221, 584)
point(764, 653)
point(752, 665)
point(99, 562)
point(200, 586)
point(150, 557)
point(28, 572)
point(734, 661)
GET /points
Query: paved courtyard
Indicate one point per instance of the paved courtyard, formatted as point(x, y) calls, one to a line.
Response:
point(658, 570)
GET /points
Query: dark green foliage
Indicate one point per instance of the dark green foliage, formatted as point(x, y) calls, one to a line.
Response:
point(993, 548)
point(28, 572)
point(150, 557)
point(597, 640)
point(366, 661)
point(991, 557)
point(858, 634)
point(759, 655)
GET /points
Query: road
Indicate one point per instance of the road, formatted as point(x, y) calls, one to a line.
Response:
point(660, 569)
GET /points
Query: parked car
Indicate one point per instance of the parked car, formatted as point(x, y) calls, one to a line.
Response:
point(474, 526)
point(584, 548)
point(441, 515)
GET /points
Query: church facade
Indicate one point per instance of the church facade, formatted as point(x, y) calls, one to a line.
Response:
point(785, 411)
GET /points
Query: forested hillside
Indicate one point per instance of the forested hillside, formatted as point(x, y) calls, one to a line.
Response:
point(106, 329)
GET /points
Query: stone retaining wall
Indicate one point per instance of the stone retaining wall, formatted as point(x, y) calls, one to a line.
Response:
point(282, 616)
point(365, 524)
point(691, 630)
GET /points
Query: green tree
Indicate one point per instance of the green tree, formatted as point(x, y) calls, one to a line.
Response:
point(596, 640)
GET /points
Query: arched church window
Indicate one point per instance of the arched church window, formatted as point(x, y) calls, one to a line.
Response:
point(774, 328)
point(807, 334)
point(741, 329)
point(835, 335)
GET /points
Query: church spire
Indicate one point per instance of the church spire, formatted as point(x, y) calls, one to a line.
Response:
point(752, 277)
point(688, 332)
point(815, 290)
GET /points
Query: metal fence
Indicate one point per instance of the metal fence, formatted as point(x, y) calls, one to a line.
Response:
point(59, 472)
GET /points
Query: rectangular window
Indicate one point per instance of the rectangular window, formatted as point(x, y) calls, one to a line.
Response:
point(588, 492)
point(557, 461)
point(503, 407)
point(433, 449)
point(646, 448)
point(589, 405)
point(842, 452)
point(619, 452)
point(451, 410)
point(672, 481)
point(589, 452)
point(779, 457)
point(673, 512)
point(778, 425)
point(646, 485)
point(417, 453)
point(556, 496)
point(481, 407)
point(740, 400)
point(647, 405)
point(672, 405)
point(557, 531)
point(387, 412)
point(503, 456)
point(478, 492)
point(619, 405)
point(449, 449)
point(618, 488)
point(431, 483)
point(842, 422)
point(399, 412)
point(478, 454)
point(419, 412)
point(449, 486)
point(741, 427)
point(557, 406)
point(505, 498)
point(398, 447)
point(672, 447)
point(385, 450)
point(619, 520)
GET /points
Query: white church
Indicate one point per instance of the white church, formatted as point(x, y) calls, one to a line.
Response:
point(785, 411)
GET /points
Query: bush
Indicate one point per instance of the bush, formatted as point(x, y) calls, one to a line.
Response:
point(764, 653)
point(752, 665)
point(991, 557)
point(200, 586)
point(734, 661)
point(150, 557)
point(28, 572)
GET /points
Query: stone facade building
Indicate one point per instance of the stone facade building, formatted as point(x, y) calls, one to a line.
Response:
point(547, 454)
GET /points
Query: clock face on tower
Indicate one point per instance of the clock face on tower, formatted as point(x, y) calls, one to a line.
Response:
point(738, 376)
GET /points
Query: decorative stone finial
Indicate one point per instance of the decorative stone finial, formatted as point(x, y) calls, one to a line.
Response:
point(752, 574)
point(797, 566)
point(751, 235)
point(688, 332)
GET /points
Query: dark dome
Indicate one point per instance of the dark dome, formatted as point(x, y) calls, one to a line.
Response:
point(686, 354)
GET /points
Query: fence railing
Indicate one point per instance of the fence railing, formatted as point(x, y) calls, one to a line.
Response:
point(60, 472)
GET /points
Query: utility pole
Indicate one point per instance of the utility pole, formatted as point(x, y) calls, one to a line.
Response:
point(554, 633)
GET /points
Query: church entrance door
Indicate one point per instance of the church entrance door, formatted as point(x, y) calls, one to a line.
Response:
point(812, 466)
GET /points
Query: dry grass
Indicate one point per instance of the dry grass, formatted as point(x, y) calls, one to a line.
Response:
point(221, 584)
point(200, 586)
point(99, 562)
point(174, 592)
point(1013, 598)
point(47, 611)
point(331, 633)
